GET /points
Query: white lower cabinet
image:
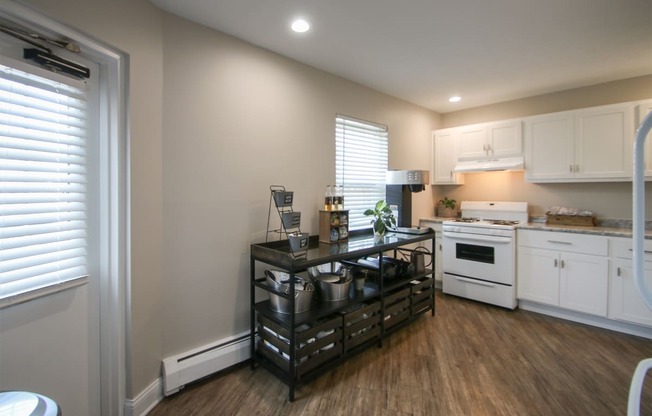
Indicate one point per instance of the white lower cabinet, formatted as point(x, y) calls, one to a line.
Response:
point(567, 270)
point(438, 267)
point(584, 283)
point(625, 304)
point(538, 276)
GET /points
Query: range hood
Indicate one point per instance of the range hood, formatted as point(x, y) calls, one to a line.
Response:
point(489, 164)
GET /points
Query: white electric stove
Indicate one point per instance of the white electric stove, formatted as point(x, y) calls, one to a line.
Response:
point(479, 252)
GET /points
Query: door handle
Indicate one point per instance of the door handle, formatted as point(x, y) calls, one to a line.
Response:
point(618, 271)
point(556, 262)
point(560, 242)
point(563, 264)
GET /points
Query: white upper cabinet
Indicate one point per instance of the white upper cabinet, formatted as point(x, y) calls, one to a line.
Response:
point(642, 110)
point(603, 146)
point(549, 146)
point(473, 141)
point(444, 157)
point(496, 139)
point(505, 138)
point(593, 144)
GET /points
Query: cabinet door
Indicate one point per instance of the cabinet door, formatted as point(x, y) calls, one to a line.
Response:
point(603, 142)
point(643, 110)
point(444, 158)
point(584, 283)
point(549, 147)
point(472, 141)
point(505, 138)
point(625, 303)
point(538, 275)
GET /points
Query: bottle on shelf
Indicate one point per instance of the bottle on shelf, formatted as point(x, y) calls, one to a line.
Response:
point(328, 198)
point(337, 198)
point(341, 193)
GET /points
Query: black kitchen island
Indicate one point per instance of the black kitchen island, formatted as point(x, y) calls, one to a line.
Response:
point(297, 347)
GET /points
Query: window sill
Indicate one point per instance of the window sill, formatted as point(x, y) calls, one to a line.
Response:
point(43, 291)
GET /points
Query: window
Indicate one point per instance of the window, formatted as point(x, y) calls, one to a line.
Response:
point(360, 166)
point(43, 183)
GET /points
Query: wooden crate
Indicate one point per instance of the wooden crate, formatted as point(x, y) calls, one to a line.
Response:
point(421, 296)
point(316, 344)
point(583, 221)
point(397, 308)
point(361, 324)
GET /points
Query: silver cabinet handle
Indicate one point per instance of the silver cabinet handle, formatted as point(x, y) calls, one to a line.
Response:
point(563, 264)
point(560, 242)
point(570, 168)
point(556, 262)
point(618, 271)
point(644, 251)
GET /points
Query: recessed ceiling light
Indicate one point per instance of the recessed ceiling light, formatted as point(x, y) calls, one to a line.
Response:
point(300, 26)
point(455, 99)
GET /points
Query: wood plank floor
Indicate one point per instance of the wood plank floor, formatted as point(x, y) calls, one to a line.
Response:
point(469, 359)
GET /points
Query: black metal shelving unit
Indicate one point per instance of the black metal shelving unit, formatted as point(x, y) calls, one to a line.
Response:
point(297, 347)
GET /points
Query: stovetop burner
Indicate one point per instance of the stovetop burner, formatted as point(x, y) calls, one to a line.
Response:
point(502, 222)
point(486, 222)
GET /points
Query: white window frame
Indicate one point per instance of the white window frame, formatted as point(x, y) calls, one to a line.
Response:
point(361, 162)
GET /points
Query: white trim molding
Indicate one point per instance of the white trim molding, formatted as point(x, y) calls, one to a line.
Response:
point(146, 400)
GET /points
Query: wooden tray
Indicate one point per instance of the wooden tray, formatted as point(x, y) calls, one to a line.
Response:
point(585, 221)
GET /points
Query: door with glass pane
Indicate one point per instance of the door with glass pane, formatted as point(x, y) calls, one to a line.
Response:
point(49, 288)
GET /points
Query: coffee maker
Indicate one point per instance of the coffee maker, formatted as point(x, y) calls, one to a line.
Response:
point(400, 185)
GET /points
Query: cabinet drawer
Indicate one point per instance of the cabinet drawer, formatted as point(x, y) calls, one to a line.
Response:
point(564, 242)
point(622, 247)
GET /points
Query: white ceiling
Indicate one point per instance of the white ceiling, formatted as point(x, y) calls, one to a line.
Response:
point(424, 51)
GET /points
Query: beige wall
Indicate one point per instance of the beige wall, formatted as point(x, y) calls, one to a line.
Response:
point(631, 89)
point(607, 200)
point(238, 119)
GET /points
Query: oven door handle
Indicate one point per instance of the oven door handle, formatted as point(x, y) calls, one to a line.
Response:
point(473, 281)
point(480, 238)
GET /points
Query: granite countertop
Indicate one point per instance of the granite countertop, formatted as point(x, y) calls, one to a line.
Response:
point(611, 228)
point(596, 230)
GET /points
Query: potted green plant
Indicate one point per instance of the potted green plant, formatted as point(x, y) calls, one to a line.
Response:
point(383, 217)
point(446, 207)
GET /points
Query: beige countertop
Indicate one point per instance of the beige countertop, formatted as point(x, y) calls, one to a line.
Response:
point(542, 226)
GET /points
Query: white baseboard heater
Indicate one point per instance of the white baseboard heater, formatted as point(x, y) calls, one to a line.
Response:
point(192, 365)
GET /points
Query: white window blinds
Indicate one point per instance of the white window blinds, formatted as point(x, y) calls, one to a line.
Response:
point(360, 166)
point(42, 183)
